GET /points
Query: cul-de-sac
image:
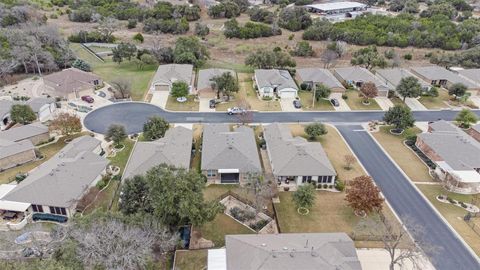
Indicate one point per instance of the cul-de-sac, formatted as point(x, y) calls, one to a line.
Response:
point(239, 134)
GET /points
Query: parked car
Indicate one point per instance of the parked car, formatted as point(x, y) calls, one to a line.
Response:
point(236, 110)
point(88, 99)
point(297, 104)
point(212, 103)
point(335, 102)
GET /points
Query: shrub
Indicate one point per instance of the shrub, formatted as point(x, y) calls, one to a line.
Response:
point(286, 188)
point(132, 23)
point(450, 200)
point(408, 56)
point(344, 96)
point(242, 215)
point(339, 185)
point(303, 86)
point(258, 225)
point(462, 204)
point(325, 186)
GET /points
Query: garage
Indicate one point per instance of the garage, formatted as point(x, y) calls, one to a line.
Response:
point(287, 94)
point(161, 87)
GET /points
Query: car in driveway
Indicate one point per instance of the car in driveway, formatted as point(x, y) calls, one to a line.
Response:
point(212, 103)
point(236, 110)
point(297, 104)
point(88, 99)
point(335, 102)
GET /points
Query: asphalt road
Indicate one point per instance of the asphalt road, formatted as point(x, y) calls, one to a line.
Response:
point(407, 202)
point(132, 115)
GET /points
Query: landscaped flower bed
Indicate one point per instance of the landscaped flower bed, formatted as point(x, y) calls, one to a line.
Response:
point(420, 154)
point(245, 214)
point(467, 206)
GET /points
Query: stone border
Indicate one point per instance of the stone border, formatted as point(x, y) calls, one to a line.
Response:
point(470, 207)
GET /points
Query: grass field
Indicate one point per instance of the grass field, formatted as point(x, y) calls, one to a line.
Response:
point(436, 102)
point(191, 259)
point(110, 71)
point(222, 225)
point(403, 156)
point(355, 102)
point(121, 158)
point(306, 98)
point(453, 214)
point(189, 105)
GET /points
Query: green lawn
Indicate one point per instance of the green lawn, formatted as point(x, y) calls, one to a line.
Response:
point(121, 158)
point(47, 151)
point(189, 105)
point(453, 214)
point(228, 65)
point(222, 225)
point(436, 102)
point(191, 259)
point(306, 98)
point(403, 156)
point(109, 71)
point(355, 102)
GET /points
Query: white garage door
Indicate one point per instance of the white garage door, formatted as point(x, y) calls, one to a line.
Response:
point(287, 94)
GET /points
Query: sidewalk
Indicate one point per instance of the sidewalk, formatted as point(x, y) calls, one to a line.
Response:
point(384, 103)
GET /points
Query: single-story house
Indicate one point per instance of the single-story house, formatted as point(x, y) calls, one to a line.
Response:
point(475, 132)
point(294, 159)
point(306, 251)
point(393, 76)
point(204, 85)
point(335, 8)
point(443, 77)
point(174, 148)
point(229, 155)
point(55, 187)
point(271, 82)
point(456, 155)
point(15, 153)
point(43, 107)
point(71, 83)
point(357, 76)
point(166, 75)
point(472, 75)
point(35, 133)
point(311, 76)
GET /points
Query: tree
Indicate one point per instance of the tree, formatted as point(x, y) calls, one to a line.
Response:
point(122, 86)
point(155, 128)
point(409, 87)
point(126, 50)
point(134, 196)
point(304, 196)
point(466, 117)
point(176, 196)
point(303, 48)
point(400, 117)
point(315, 129)
point(201, 30)
point(179, 89)
point(116, 133)
point(328, 57)
point(368, 90)
point(457, 89)
point(148, 59)
point(267, 59)
point(107, 26)
point(369, 58)
point(224, 83)
point(82, 65)
point(322, 91)
point(189, 50)
point(22, 114)
point(363, 196)
point(138, 37)
point(66, 124)
point(349, 161)
point(294, 18)
point(261, 189)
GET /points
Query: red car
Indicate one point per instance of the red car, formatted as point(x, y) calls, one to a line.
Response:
point(88, 99)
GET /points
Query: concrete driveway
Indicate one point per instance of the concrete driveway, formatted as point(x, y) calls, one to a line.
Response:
point(205, 105)
point(160, 98)
point(343, 105)
point(287, 105)
point(407, 202)
point(384, 103)
point(415, 105)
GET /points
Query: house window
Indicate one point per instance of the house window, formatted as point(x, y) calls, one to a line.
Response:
point(211, 173)
point(58, 210)
point(37, 208)
point(95, 82)
point(306, 179)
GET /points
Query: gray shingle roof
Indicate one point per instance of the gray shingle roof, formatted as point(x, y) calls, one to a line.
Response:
point(37, 103)
point(5, 106)
point(205, 75)
point(395, 75)
point(359, 74)
point(440, 73)
point(24, 132)
point(9, 148)
point(291, 156)
point(305, 251)
point(454, 146)
point(70, 79)
point(173, 149)
point(62, 179)
point(225, 149)
point(471, 74)
point(319, 75)
point(274, 78)
point(167, 74)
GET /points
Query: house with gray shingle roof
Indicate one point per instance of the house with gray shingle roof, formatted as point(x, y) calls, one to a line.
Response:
point(55, 186)
point(173, 149)
point(311, 76)
point(166, 75)
point(357, 76)
point(475, 132)
point(473, 75)
point(35, 132)
point(294, 159)
point(204, 83)
point(393, 76)
point(271, 82)
point(456, 155)
point(440, 76)
point(285, 251)
point(228, 156)
point(15, 153)
point(71, 83)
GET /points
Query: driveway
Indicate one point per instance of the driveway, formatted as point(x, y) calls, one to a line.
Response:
point(406, 201)
point(287, 105)
point(415, 105)
point(343, 105)
point(384, 103)
point(205, 105)
point(160, 98)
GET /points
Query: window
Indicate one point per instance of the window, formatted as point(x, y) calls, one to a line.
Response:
point(211, 173)
point(58, 210)
point(37, 208)
point(95, 82)
point(63, 211)
point(306, 179)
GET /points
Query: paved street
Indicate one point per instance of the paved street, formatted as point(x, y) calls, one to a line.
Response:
point(407, 202)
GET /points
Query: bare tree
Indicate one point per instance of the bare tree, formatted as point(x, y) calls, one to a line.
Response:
point(7, 67)
point(328, 58)
point(261, 190)
point(341, 48)
point(349, 160)
point(247, 116)
point(123, 87)
point(107, 26)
